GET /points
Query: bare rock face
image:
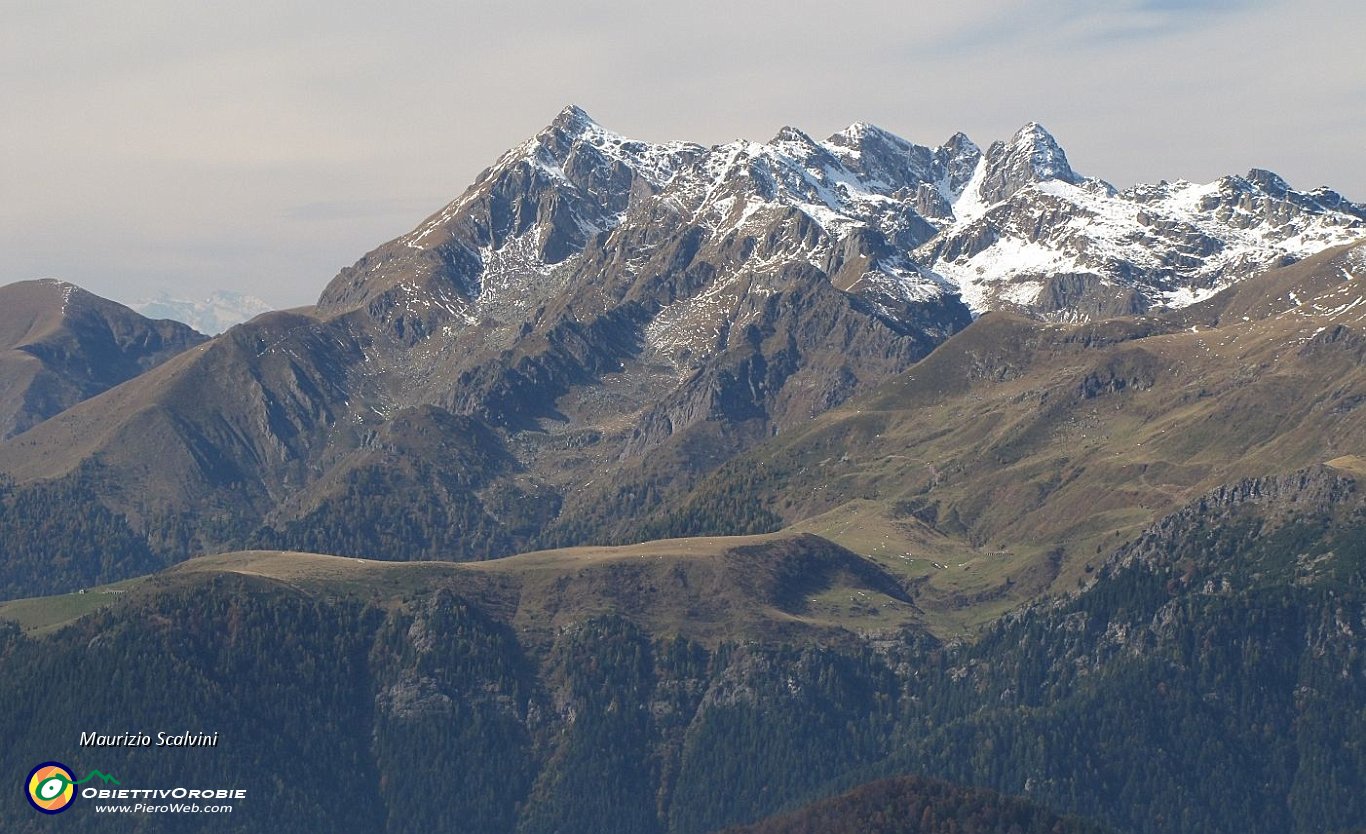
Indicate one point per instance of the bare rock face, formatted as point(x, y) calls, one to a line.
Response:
point(1032, 156)
point(1309, 493)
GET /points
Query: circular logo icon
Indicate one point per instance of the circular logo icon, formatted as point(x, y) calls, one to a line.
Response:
point(51, 787)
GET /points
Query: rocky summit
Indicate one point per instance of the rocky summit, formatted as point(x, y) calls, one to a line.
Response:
point(888, 220)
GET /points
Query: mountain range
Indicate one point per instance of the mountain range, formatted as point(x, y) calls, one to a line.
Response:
point(560, 354)
point(212, 315)
point(667, 488)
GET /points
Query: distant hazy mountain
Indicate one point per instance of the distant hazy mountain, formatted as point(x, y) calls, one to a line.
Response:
point(212, 315)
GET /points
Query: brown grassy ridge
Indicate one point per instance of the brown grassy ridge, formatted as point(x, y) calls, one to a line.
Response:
point(773, 587)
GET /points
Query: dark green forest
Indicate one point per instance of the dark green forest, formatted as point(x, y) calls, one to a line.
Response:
point(56, 537)
point(1210, 679)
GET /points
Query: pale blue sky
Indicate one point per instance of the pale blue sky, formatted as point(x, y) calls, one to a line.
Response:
point(262, 145)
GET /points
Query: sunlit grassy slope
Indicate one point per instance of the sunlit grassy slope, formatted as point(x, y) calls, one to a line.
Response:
point(709, 589)
point(1011, 461)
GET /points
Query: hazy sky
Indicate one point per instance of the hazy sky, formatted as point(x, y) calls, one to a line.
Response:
point(261, 145)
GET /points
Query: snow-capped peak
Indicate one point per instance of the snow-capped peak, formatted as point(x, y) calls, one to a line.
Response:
point(1268, 181)
point(574, 119)
point(855, 135)
point(793, 134)
point(1055, 243)
point(573, 134)
point(1032, 155)
point(959, 143)
point(851, 134)
point(1013, 226)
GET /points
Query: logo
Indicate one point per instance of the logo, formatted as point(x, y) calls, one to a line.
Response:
point(52, 786)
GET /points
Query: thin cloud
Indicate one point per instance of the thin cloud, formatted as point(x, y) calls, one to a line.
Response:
point(1159, 18)
point(1200, 5)
point(1083, 24)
